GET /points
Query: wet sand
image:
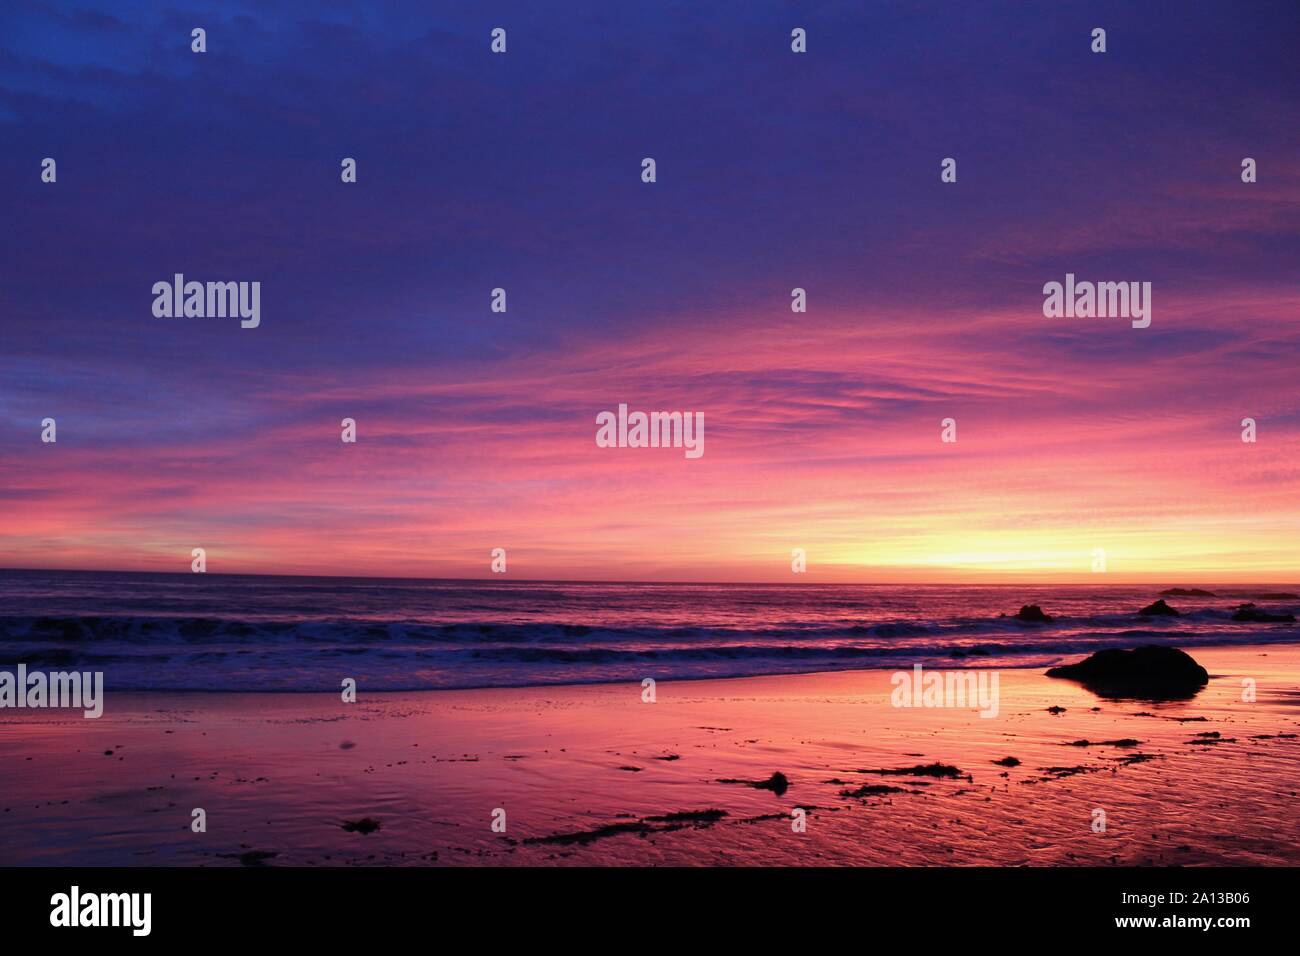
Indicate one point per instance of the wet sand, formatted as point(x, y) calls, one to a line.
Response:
point(592, 775)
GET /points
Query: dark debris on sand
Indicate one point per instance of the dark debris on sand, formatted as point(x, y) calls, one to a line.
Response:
point(583, 837)
point(874, 790)
point(1130, 759)
point(690, 816)
point(921, 770)
point(1122, 742)
point(666, 823)
point(778, 783)
point(1058, 772)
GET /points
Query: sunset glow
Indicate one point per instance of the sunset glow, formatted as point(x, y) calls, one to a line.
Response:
point(477, 429)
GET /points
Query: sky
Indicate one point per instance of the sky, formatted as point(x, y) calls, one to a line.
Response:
point(774, 170)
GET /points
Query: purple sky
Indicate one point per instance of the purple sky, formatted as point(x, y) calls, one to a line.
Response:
point(775, 170)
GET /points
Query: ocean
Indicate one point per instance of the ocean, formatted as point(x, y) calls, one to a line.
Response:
point(277, 633)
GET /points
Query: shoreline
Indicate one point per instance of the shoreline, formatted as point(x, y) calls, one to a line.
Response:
point(963, 662)
point(217, 634)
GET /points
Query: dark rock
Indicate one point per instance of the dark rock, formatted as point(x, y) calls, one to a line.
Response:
point(1248, 612)
point(1008, 762)
point(1033, 614)
point(1186, 592)
point(1147, 673)
point(364, 825)
point(1160, 608)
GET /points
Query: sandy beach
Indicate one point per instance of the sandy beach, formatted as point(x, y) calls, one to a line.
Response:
point(594, 775)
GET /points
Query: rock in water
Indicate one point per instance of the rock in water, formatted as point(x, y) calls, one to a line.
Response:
point(1148, 673)
point(1186, 592)
point(1033, 614)
point(1159, 608)
point(1248, 612)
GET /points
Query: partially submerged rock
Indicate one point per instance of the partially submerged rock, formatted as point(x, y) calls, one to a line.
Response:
point(1248, 612)
point(1186, 592)
point(1158, 609)
point(1033, 614)
point(1149, 673)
